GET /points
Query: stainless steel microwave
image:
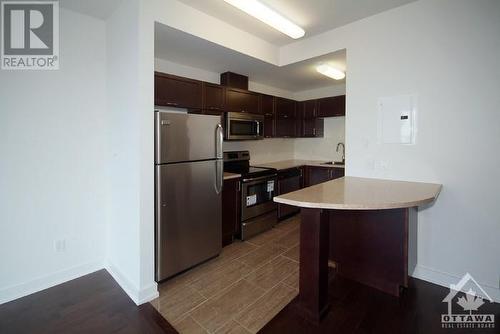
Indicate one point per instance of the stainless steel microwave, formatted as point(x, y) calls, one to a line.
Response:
point(244, 126)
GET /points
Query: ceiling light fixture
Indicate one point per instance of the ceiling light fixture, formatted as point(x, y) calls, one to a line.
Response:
point(268, 16)
point(330, 71)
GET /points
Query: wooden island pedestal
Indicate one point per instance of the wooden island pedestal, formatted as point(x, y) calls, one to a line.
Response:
point(366, 226)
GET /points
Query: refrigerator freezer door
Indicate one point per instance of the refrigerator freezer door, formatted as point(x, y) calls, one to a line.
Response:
point(189, 215)
point(187, 137)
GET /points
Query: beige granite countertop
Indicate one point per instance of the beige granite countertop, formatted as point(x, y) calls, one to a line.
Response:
point(285, 164)
point(228, 176)
point(355, 193)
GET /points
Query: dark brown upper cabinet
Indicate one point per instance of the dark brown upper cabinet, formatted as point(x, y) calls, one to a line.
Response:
point(311, 126)
point(286, 118)
point(282, 117)
point(213, 98)
point(299, 119)
point(242, 101)
point(267, 109)
point(234, 80)
point(174, 91)
point(331, 106)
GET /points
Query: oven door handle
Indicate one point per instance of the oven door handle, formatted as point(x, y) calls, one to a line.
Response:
point(259, 178)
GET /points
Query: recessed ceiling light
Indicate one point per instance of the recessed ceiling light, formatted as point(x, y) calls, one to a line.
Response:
point(330, 71)
point(268, 16)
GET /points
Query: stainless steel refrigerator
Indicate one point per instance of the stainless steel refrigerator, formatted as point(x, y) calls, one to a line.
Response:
point(189, 177)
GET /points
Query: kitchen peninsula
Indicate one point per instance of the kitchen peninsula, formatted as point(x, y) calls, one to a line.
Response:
point(366, 226)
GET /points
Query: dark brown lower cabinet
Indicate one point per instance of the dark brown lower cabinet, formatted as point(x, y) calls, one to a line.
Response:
point(317, 174)
point(288, 180)
point(230, 210)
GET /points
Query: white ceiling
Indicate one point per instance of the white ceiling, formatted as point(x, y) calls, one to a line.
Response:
point(101, 9)
point(182, 48)
point(315, 16)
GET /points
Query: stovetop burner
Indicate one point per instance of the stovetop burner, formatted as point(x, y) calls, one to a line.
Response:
point(239, 162)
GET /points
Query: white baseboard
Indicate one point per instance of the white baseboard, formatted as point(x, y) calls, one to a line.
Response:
point(41, 283)
point(138, 296)
point(445, 279)
point(148, 294)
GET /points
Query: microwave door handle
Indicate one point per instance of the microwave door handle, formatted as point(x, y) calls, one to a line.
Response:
point(258, 128)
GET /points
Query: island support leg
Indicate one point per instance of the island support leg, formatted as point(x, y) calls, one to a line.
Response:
point(312, 302)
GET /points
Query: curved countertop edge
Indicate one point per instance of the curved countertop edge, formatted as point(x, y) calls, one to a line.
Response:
point(361, 206)
point(354, 206)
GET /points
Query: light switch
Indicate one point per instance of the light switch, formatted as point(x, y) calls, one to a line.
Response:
point(396, 119)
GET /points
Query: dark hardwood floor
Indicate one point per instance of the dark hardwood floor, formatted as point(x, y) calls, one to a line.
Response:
point(356, 308)
point(96, 304)
point(92, 304)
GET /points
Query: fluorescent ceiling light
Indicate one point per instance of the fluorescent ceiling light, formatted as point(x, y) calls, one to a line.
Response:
point(268, 16)
point(330, 71)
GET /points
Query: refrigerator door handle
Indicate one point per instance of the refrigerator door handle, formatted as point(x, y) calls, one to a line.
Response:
point(219, 163)
point(219, 176)
point(219, 137)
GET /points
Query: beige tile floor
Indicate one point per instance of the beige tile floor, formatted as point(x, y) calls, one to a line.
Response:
point(239, 291)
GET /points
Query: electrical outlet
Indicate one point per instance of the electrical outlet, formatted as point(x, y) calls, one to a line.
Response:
point(60, 245)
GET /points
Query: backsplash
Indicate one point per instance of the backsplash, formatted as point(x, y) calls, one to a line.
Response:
point(266, 150)
point(322, 148)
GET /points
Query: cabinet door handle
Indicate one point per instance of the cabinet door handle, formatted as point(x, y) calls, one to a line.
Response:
point(314, 131)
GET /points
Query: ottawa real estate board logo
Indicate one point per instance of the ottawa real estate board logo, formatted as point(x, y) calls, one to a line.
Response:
point(469, 296)
point(30, 35)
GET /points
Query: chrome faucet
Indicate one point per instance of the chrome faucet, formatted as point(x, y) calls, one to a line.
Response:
point(343, 151)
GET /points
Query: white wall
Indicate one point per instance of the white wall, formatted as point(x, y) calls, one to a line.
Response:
point(54, 165)
point(446, 52)
point(130, 235)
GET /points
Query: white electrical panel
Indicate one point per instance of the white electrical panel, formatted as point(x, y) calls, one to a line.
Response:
point(397, 119)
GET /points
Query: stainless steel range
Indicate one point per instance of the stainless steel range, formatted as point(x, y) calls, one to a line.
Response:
point(258, 187)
